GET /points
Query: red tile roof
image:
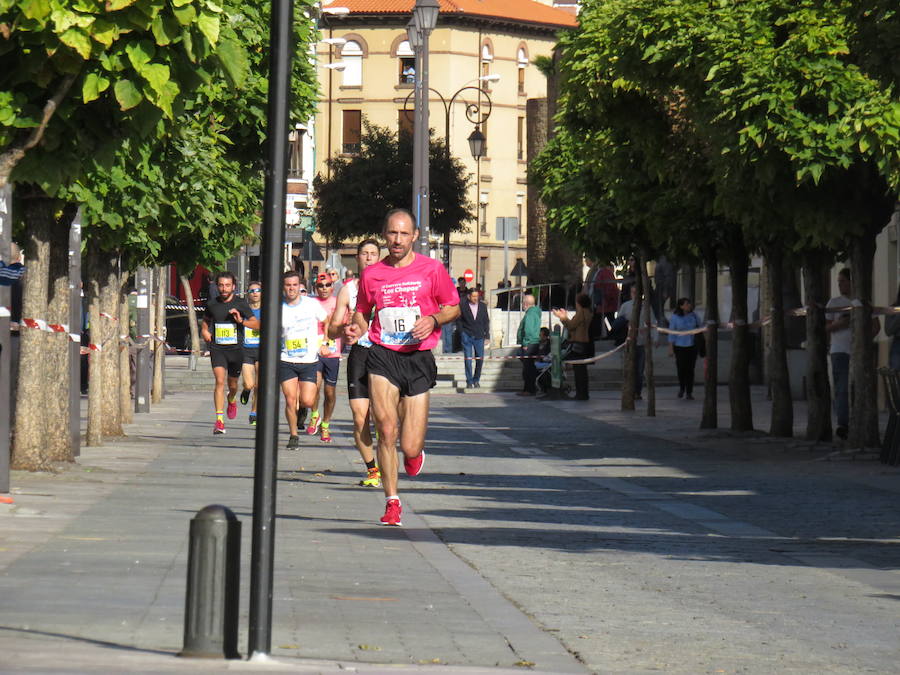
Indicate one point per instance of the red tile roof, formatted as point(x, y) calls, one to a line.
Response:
point(525, 11)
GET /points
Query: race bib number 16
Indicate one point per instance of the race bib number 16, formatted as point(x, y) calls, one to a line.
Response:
point(397, 324)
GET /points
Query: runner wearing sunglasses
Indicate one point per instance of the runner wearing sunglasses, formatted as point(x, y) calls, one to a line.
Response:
point(329, 365)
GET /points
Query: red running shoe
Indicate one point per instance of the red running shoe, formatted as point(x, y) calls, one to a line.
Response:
point(414, 466)
point(219, 428)
point(392, 511)
point(232, 410)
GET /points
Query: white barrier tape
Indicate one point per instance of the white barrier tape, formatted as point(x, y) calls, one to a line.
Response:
point(594, 359)
point(108, 316)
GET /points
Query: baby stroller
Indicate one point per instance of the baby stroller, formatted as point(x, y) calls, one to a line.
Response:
point(544, 363)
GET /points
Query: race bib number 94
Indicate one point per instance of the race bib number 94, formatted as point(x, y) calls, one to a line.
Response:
point(397, 324)
point(226, 334)
point(251, 337)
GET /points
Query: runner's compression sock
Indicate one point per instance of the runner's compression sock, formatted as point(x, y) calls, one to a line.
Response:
point(326, 425)
point(370, 465)
point(220, 416)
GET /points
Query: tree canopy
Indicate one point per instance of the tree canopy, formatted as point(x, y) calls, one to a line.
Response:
point(361, 189)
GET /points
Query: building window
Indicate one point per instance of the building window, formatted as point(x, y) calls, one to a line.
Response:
point(405, 122)
point(482, 217)
point(407, 60)
point(520, 138)
point(522, 63)
point(352, 132)
point(352, 55)
point(487, 58)
point(520, 201)
point(295, 153)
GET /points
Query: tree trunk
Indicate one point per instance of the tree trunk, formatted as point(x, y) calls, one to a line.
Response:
point(863, 431)
point(710, 419)
point(111, 422)
point(630, 366)
point(29, 442)
point(739, 375)
point(56, 350)
point(818, 388)
point(648, 347)
point(192, 317)
point(126, 409)
point(158, 330)
point(96, 263)
point(782, 423)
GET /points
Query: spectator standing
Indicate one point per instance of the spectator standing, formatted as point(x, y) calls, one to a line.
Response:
point(892, 328)
point(475, 332)
point(684, 347)
point(623, 319)
point(336, 283)
point(580, 344)
point(528, 338)
point(838, 327)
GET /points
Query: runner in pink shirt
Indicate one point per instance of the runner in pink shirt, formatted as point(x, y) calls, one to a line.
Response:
point(412, 296)
point(329, 364)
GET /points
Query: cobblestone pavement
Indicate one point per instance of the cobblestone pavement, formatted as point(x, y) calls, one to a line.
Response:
point(539, 531)
point(644, 544)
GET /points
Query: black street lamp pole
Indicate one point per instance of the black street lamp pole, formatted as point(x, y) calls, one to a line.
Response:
point(265, 465)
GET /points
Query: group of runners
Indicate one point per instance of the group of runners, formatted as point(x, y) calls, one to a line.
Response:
point(390, 315)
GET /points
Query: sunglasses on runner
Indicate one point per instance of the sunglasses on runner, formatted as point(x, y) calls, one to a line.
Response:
point(302, 291)
point(323, 285)
point(255, 290)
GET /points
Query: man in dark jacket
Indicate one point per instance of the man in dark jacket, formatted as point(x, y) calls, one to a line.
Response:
point(475, 331)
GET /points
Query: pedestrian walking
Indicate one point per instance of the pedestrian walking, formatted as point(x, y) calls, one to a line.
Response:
point(411, 296)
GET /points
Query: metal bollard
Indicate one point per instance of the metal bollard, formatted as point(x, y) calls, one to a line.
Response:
point(213, 585)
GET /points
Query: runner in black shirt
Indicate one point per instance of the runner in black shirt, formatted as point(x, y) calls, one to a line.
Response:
point(220, 325)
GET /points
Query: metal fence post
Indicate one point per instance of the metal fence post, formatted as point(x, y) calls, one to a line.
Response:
point(75, 321)
point(5, 339)
point(142, 357)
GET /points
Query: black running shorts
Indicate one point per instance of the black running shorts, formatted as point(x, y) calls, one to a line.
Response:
point(330, 368)
point(305, 372)
point(251, 355)
point(413, 373)
point(357, 372)
point(230, 359)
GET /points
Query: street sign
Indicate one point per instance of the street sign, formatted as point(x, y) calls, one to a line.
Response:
point(469, 276)
point(507, 228)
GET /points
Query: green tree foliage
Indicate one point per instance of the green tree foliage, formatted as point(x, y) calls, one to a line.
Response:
point(351, 202)
point(78, 75)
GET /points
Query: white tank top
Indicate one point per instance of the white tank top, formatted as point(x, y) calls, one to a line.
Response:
point(353, 288)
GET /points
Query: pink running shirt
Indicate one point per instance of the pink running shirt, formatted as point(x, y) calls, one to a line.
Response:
point(400, 295)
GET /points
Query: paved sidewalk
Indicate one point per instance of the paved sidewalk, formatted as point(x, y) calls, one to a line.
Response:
point(540, 529)
point(93, 563)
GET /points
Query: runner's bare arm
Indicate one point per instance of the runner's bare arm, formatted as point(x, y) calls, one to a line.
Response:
point(250, 322)
point(357, 327)
point(335, 328)
point(429, 323)
point(204, 330)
